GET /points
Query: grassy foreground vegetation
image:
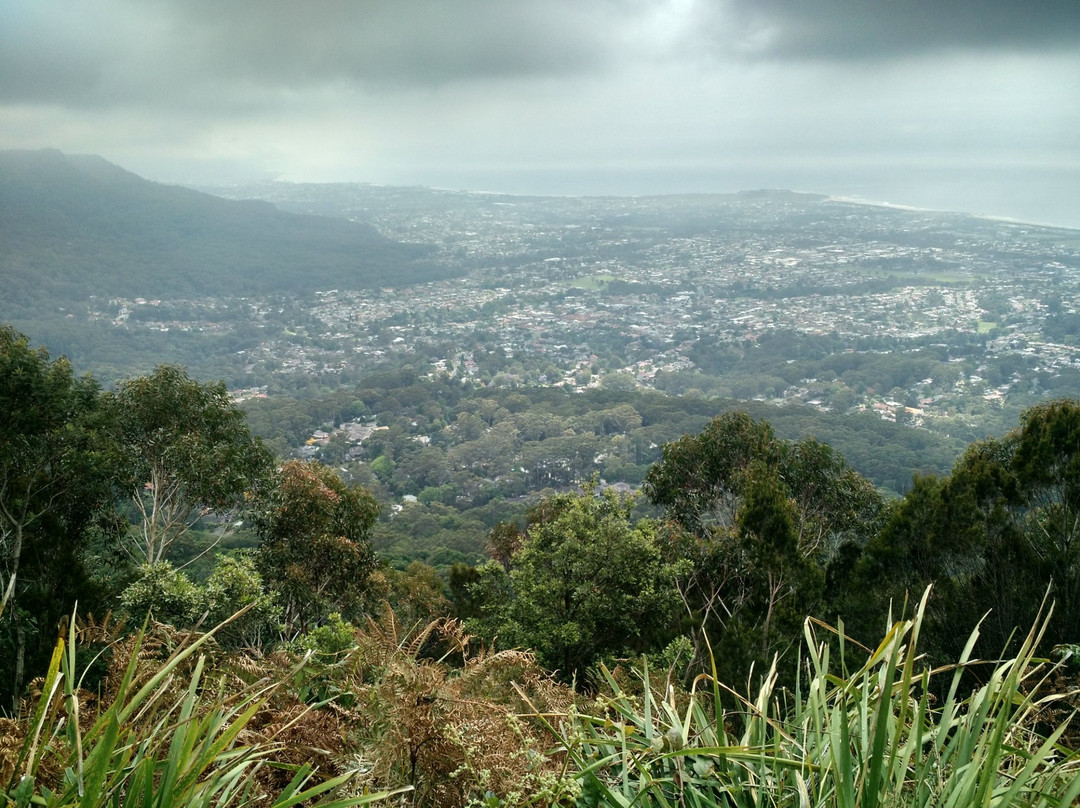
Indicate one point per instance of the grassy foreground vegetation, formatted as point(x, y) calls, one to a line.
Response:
point(853, 733)
point(175, 722)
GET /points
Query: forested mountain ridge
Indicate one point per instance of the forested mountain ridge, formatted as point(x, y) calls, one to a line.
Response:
point(76, 225)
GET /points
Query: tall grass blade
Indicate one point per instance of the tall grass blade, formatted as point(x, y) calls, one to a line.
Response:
point(31, 750)
point(870, 737)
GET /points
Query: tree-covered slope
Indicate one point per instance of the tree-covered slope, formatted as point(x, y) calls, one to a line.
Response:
point(76, 225)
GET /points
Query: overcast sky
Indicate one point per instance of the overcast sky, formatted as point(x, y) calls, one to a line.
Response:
point(978, 99)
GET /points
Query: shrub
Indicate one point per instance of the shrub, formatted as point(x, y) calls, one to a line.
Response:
point(164, 592)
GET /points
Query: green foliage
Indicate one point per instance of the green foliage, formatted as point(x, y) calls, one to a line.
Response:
point(329, 640)
point(315, 552)
point(460, 582)
point(587, 584)
point(834, 504)
point(869, 736)
point(436, 533)
point(994, 536)
point(492, 594)
point(383, 467)
point(188, 452)
point(766, 519)
point(699, 480)
point(236, 584)
point(417, 593)
point(164, 593)
point(55, 498)
point(759, 521)
point(442, 435)
point(169, 596)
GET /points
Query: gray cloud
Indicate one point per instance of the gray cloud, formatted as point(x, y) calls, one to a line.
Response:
point(247, 54)
point(407, 41)
point(46, 56)
point(116, 51)
point(419, 90)
point(872, 29)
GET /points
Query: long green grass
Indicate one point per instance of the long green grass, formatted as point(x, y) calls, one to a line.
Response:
point(156, 744)
point(862, 729)
point(848, 738)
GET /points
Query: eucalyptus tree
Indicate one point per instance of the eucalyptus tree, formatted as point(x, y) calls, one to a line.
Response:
point(187, 453)
point(315, 550)
point(994, 537)
point(583, 583)
point(760, 522)
point(55, 474)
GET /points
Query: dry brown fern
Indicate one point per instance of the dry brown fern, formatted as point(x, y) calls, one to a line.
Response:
point(89, 631)
point(453, 733)
point(12, 734)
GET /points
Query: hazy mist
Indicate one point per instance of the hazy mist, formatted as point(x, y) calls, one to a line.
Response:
point(950, 104)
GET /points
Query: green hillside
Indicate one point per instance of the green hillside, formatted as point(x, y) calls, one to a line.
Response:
point(73, 226)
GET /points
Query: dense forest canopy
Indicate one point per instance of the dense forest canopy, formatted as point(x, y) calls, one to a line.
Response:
point(752, 527)
point(472, 455)
point(738, 538)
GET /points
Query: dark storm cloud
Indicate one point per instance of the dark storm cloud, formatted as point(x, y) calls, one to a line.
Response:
point(247, 54)
point(871, 29)
point(115, 51)
point(418, 90)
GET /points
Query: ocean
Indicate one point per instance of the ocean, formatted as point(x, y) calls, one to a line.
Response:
point(1046, 196)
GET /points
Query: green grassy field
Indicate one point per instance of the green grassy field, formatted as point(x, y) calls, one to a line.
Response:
point(590, 282)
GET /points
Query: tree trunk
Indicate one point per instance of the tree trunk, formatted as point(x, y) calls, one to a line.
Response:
point(16, 553)
point(20, 662)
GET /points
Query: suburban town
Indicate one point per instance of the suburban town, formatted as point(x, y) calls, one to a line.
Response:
point(645, 292)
